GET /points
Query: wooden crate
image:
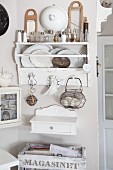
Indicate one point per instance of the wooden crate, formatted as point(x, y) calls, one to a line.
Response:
point(46, 162)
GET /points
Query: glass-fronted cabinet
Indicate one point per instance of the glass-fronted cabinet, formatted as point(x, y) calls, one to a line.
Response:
point(105, 101)
point(108, 67)
point(10, 106)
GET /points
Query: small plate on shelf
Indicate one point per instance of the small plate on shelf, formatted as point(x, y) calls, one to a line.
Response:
point(69, 52)
point(56, 50)
point(39, 61)
point(32, 48)
point(25, 61)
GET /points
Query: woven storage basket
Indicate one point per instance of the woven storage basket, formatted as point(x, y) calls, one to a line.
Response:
point(73, 98)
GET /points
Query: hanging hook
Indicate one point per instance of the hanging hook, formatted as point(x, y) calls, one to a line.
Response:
point(32, 81)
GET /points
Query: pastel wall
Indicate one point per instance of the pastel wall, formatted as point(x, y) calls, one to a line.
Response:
point(87, 116)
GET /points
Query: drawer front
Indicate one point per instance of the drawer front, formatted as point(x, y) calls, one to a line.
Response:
point(51, 128)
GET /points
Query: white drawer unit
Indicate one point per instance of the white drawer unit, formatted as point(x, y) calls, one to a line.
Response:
point(54, 120)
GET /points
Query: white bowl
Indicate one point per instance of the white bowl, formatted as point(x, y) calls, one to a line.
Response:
point(5, 82)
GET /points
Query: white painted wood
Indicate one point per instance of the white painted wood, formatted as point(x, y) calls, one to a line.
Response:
point(10, 122)
point(55, 110)
point(7, 160)
point(104, 110)
point(54, 120)
point(102, 14)
point(42, 74)
point(31, 159)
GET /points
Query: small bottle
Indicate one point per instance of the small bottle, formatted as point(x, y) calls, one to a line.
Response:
point(55, 38)
point(85, 29)
point(82, 35)
point(32, 37)
point(85, 25)
point(24, 36)
point(86, 36)
point(74, 34)
point(19, 36)
point(63, 37)
point(69, 35)
point(42, 37)
point(51, 35)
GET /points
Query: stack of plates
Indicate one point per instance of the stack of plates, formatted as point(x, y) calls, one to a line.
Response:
point(38, 49)
point(45, 49)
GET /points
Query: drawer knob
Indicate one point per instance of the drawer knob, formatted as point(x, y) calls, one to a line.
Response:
point(51, 127)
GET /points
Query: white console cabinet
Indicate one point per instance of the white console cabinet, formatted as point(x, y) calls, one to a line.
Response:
point(54, 120)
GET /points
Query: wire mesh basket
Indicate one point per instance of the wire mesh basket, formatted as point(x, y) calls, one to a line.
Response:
point(73, 98)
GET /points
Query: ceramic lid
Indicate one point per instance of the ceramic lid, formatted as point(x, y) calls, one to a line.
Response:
point(54, 18)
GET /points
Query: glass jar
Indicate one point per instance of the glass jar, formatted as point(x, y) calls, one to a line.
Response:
point(42, 37)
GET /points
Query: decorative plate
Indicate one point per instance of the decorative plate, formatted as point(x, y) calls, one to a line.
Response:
point(56, 50)
point(38, 47)
point(41, 61)
point(25, 61)
point(68, 52)
point(4, 20)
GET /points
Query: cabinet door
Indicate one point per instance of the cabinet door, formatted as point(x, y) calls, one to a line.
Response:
point(105, 103)
point(9, 111)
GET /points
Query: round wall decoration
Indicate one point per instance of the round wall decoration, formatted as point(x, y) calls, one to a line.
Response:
point(4, 20)
point(54, 18)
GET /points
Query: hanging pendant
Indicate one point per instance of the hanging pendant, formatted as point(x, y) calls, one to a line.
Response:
point(31, 100)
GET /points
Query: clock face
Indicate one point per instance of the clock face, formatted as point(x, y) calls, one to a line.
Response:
point(4, 20)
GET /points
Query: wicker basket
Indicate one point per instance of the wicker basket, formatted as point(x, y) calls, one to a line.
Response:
point(73, 98)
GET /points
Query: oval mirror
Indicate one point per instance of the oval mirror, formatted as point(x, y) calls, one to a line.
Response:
point(4, 20)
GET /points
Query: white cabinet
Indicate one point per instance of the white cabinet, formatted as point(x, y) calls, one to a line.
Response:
point(54, 120)
point(105, 99)
point(42, 73)
point(10, 106)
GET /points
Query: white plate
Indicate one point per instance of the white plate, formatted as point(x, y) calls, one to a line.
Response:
point(38, 47)
point(41, 61)
point(56, 50)
point(68, 52)
point(76, 62)
point(40, 52)
point(25, 61)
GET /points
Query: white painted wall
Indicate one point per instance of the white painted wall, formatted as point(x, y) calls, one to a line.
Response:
point(9, 137)
point(87, 116)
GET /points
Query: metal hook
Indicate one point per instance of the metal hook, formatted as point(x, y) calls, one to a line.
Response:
point(32, 81)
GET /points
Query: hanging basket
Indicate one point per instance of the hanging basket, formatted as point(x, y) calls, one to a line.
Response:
point(73, 98)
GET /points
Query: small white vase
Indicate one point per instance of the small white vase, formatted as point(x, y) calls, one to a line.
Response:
point(63, 38)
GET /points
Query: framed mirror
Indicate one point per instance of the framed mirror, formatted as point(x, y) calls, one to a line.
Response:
point(75, 14)
point(30, 21)
point(4, 20)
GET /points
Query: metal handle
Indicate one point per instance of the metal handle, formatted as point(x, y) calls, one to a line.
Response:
point(98, 65)
point(75, 78)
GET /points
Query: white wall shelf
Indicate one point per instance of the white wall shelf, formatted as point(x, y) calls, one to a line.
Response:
point(42, 74)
